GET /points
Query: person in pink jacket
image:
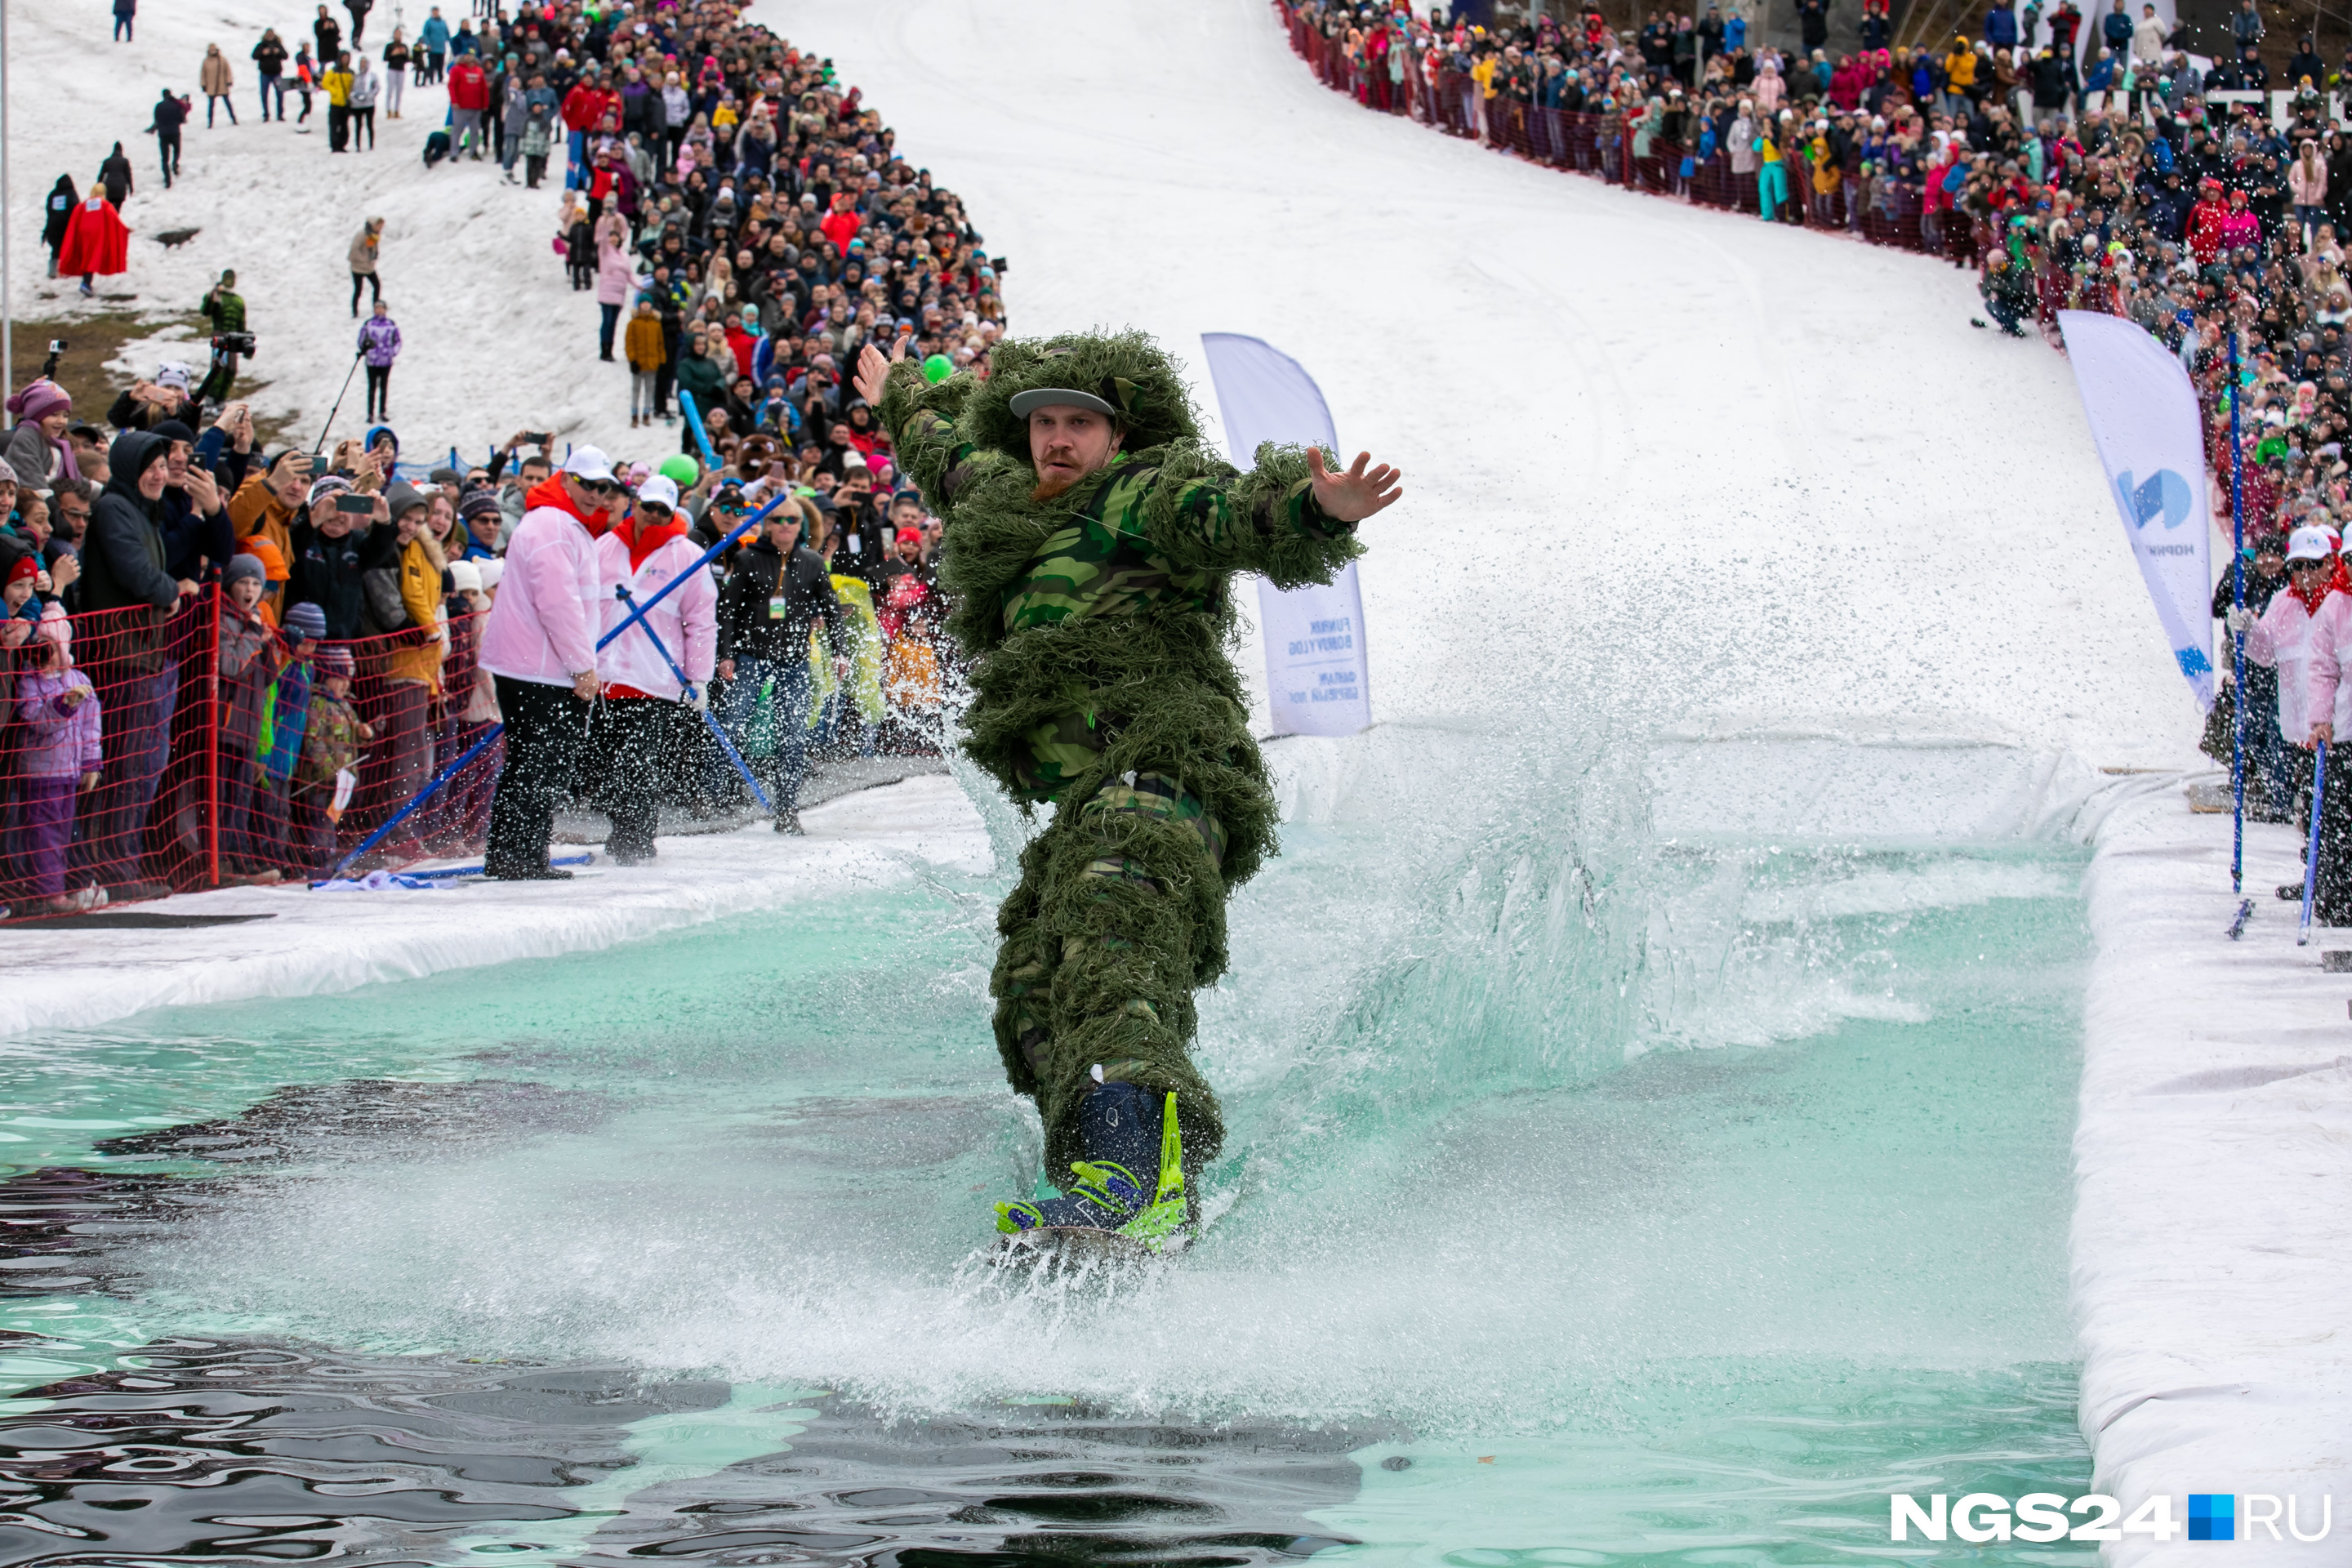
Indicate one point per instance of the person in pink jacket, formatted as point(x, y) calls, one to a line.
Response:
point(2307, 187)
point(539, 647)
point(60, 760)
point(2327, 707)
point(617, 278)
point(642, 694)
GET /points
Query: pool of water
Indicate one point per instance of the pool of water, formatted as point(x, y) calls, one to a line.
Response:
point(1668, 1206)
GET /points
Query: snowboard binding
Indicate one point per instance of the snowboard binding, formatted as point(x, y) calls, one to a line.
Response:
point(1115, 1205)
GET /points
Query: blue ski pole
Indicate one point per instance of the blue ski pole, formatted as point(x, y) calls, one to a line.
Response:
point(746, 526)
point(694, 423)
point(2237, 639)
point(427, 793)
point(717, 731)
point(2311, 850)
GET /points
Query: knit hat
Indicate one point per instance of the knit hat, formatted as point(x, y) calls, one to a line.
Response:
point(26, 570)
point(264, 550)
point(403, 498)
point(38, 398)
point(306, 621)
point(465, 577)
point(481, 501)
point(244, 566)
point(491, 570)
point(326, 485)
point(335, 661)
point(7, 474)
point(173, 430)
point(173, 375)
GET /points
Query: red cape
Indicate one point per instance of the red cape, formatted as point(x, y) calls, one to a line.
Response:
point(96, 241)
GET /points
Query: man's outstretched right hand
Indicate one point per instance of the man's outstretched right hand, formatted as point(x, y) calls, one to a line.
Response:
point(873, 370)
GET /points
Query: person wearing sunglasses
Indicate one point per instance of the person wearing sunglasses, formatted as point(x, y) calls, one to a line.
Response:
point(539, 647)
point(643, 554)
point(2327, 710)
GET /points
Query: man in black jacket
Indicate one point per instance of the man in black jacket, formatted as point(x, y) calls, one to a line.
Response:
point(777, 592)
point(129, 657)
point(171, 113)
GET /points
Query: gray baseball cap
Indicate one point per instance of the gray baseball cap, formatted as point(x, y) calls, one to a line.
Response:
point(1024, 404)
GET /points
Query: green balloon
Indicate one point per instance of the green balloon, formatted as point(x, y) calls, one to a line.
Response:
point(682, 470)
point(937, 368)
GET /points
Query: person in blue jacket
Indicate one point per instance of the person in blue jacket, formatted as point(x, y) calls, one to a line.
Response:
point(434, 39)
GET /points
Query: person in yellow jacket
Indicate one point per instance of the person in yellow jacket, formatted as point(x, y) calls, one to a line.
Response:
point(1960, 76)
point(646, 353)
point(335, 81)
point(411, 652)
point(1482, 77)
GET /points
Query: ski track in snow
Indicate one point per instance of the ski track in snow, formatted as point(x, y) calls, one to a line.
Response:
point(1765, 482)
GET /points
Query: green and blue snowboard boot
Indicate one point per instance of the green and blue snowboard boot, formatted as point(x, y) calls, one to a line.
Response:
point(1131, 1185)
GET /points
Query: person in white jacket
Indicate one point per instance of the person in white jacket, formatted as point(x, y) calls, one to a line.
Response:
point(643, 694)
point(2280, 639)
point(539, 647)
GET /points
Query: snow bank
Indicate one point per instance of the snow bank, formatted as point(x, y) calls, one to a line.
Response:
point(2212, 1239)
point(319, 942)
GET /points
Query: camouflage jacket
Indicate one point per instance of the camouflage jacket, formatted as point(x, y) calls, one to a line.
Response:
point(1100, 616)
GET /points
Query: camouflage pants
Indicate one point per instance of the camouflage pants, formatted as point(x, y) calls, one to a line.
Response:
point(1101, 951)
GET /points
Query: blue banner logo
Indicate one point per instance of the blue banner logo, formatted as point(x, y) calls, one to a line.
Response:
point(2164, 494)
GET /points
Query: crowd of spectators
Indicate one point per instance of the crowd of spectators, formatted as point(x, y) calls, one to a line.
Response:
point(244, 658)
point(2099, 168)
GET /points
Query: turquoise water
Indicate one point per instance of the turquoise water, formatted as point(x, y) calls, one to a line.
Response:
point(1671, 1209)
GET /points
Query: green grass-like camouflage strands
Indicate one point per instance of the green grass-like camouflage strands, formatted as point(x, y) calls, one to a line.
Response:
point(1156, 679)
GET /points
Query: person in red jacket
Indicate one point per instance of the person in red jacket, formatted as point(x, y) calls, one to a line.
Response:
point(841, 225)
point(583, 106)
point(469, 97)
point(96, 244)
point(2206, 220)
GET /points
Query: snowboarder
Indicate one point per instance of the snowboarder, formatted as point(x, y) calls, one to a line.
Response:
point(1089, 544)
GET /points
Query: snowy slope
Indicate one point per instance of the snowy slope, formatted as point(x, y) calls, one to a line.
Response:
point(494, 339)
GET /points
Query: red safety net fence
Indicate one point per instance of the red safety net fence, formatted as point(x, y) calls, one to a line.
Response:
point(145, 752)
point(1879, 209)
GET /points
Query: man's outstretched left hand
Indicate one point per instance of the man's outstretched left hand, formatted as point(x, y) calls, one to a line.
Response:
point(1357, 494)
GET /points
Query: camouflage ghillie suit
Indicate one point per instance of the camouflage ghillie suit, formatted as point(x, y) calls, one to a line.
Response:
point(1096, 622)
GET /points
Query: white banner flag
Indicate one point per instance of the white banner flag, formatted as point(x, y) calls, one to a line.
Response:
point(1315, 672)
point(2144, 421)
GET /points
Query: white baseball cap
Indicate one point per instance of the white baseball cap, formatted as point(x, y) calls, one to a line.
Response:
point(661, 491)
point(2309, 544)
point(588, 463)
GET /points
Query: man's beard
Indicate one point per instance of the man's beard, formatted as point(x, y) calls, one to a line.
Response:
point(1048, 489)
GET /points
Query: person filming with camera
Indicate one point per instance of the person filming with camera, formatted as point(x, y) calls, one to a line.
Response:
point(224, 308)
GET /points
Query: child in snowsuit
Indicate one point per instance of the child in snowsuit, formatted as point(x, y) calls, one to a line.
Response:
point(60, 760)
point(331, 754)
point(248, 663)
point(286, 718)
